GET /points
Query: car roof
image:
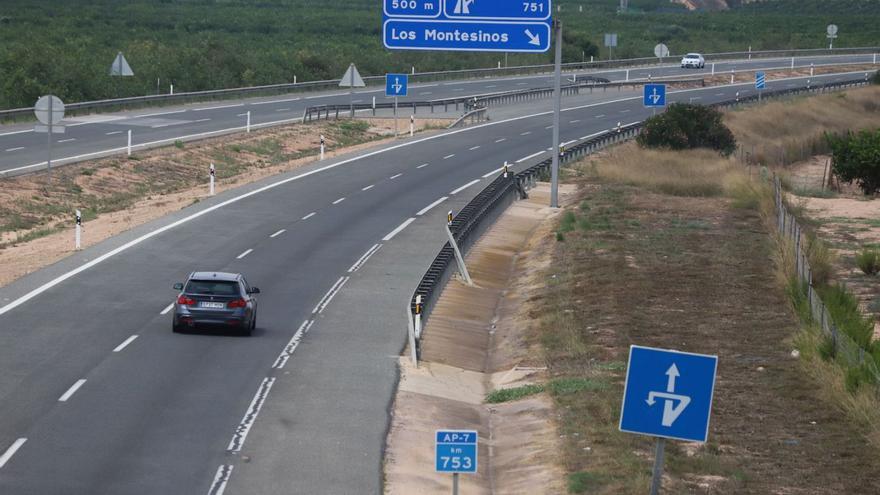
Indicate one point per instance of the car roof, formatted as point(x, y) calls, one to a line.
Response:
point(219, 276)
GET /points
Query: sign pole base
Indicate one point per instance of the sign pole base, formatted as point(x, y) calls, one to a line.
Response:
point(657, 478)
point(454, 483)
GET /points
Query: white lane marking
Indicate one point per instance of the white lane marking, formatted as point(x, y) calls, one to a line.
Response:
point(368, 187)
point(282, 109)
point(322, 304)
point(112, 133)
point(696, 98)
point(625, 111)
point(243, 428)
point(66, 140)
point(600, 116)
point(167, 309)
point(276, 234)
point(11, 451)
point(423, 165)
point(310, 215)
point(159, 126)
point(325, 96)
point(340, 200)
point(719, 94)
point(490, 174)
point(394, 176)
point(500, 140)
point(447, 157)
point(462, 188)
point(157, 114)
point(492, 86)
point(593, 135)
point(430, 206)
point(363, 259)
point(123, 345)
point(202, 120)
point(426, 93)
point(241, 115)
point(458, 89)
point(291, 346)
point(357, 101)
point(526, 133)
point(549, 127)
point(242, 255)
point(72, 390)
point(574, 121)
point(521, 84)
point(221, 479)
point(474, 148)
point(533, 155)
point(275, 101)
point(15, 149)
point(398, 230)
point(218, 108)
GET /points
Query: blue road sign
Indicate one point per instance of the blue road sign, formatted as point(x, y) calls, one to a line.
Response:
point(468, 25)
point(456, 451)
point(760, 80)
point(668, 394)
point(655, 95)
point(396, 84)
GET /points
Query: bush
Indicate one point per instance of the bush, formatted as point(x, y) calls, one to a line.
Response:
point(856, 158)
point(686, 126)
point(843, 307)
point(868, 261)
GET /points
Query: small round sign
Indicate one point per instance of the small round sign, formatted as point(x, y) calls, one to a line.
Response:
point(49, 110)
point(661, 51)
point(832, 29)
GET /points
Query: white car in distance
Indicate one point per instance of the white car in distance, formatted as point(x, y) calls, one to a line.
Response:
point(693, 60)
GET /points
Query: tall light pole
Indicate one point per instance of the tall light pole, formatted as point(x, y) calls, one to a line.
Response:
point(557, 109)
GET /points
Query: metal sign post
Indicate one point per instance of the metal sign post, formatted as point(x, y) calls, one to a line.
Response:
point(396, 85)
point(661, 51)
point(760, 83)
point(351, 79)
point(611, 44)
point(654, 96)
point(49, 111)
point(557, 110)
point(831, 33)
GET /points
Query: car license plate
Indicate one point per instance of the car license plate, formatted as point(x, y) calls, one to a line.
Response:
point(212, 305)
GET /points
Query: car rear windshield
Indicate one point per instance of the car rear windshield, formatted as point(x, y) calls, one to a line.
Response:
point(212, 288)
point(692, 55)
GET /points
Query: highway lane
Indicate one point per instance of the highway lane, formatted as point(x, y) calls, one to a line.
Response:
point(23, 150)
point(157, 417)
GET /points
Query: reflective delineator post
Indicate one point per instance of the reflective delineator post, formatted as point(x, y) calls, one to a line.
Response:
point(713, 68)
point(812, 69)
point(506, 169)
point(249, 121)
point(733, 76)
point(411, 331)
point(462, 268)
point(412, 126)
point(322, 146)
point(627, 75)
point(418, 319)
point(129, 142)
point(212, 179)
point(792, 63)
point(78, 235)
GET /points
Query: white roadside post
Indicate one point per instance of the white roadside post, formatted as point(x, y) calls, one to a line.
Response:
point(294, 79)
point(733, 76)
point(506, 169)
point(713, 68)
point(374, 106)
point(412, 337)
point(627, 75)
point(78, 235)
point(812, 69)
point(792, 63)
point(171, 91)
point(322, 147)
point(418, 321)
point(412, 125)
point(248, 121)
point(129, 142)
point(462, 268)
point(212, 179)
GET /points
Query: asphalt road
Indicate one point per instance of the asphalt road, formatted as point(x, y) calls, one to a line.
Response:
point(23, 150)
point(166, 413)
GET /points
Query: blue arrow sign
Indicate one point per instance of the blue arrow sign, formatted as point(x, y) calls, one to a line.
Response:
point(455, 451)
point(760, 80)
point(468, 25)
point(668, 394)
point(655, 95)
point(396, 84)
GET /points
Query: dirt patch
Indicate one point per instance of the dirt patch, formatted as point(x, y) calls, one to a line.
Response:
point(116, 194)
point(748, 76)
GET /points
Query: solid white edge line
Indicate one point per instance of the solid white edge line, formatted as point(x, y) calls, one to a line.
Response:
point(224, 472)
point(276, 234)
point(156, 114)
point(432, 205)
point(11, 451)
point(462, 188)
point(363, 259)
point(167, 309)
point(123, 345)
point(242, 255)
point(202, 120)
point(533, 155)
point(250, 415)
point(72, 390)
point(218, 108)
point(275, 101)
point(291, 346)
point(325, 301)
point(490, 174)
point(396, 231)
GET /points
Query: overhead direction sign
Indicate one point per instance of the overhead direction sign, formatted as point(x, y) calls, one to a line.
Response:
point(396, 84)
point(455, 451)
point(468, 25)
point(668, 394)
point(655, 95)
point(760, 80)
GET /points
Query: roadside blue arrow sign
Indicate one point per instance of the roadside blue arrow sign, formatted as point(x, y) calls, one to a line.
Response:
point(668, 394)
point(760, 80)
point(468, 25)
point(455, 451)
point(655, 95)
point(396, 84)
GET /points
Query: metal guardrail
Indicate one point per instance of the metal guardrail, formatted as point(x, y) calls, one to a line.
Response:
point(481, 211)
point(88, 107)
point(474, 116)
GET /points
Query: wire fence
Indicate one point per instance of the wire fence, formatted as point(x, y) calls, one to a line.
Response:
point(843, 347)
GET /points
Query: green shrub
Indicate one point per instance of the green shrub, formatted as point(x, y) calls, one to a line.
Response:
point(856, 158)
point(565, 386)
point(843, 307)
point(858, 376)
point(569, 219)
point(584, 482)
point(686, 126)
point(868, 261)
point(509, 394)
point(821, 260)
point(178, 144)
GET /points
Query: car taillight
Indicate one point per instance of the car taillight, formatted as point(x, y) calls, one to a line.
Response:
point(238, 303)
point(186, 301)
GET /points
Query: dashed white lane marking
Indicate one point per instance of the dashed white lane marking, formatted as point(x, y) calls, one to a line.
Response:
point(458, 89)
point(340, 200)
point(282, 109)
point(275, 101)
point(220, 480)
point(66, 140)
point(548, 127)
point(368, 187)
point(398, 230)
point(694, 98)
point(123, 345)
point(573, 121)
point(310, 215)
point(322, 304)
point(474, 148)
point(72, 390)
point(394, 176)
point(625, 111)
point(218, 108)
point(363, 259)
point(600, 116)
point(430, 206)
point(447, 157)
point(157, 114)
point(533, 155)
point(719, 94)
point(426, 93)
point(167, 309)
point(11, 451)
point(500, 140)
point(113, 133)
point(242, 255)
point(15, 149)
point(521, 84)
point(291, 346)
point(243, 428)
point(490, 174)
point(202, 120)
point(423, 165)
point(276, 234)
point(492, 86)
point(241, 114)
point(526, 133)
point(462, 188)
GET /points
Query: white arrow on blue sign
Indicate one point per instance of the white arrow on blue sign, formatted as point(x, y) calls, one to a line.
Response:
point(668, 394)
point(456, 451)
point(468, 25)
point(396, 84)
point(655, 95)
point(760, 80)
